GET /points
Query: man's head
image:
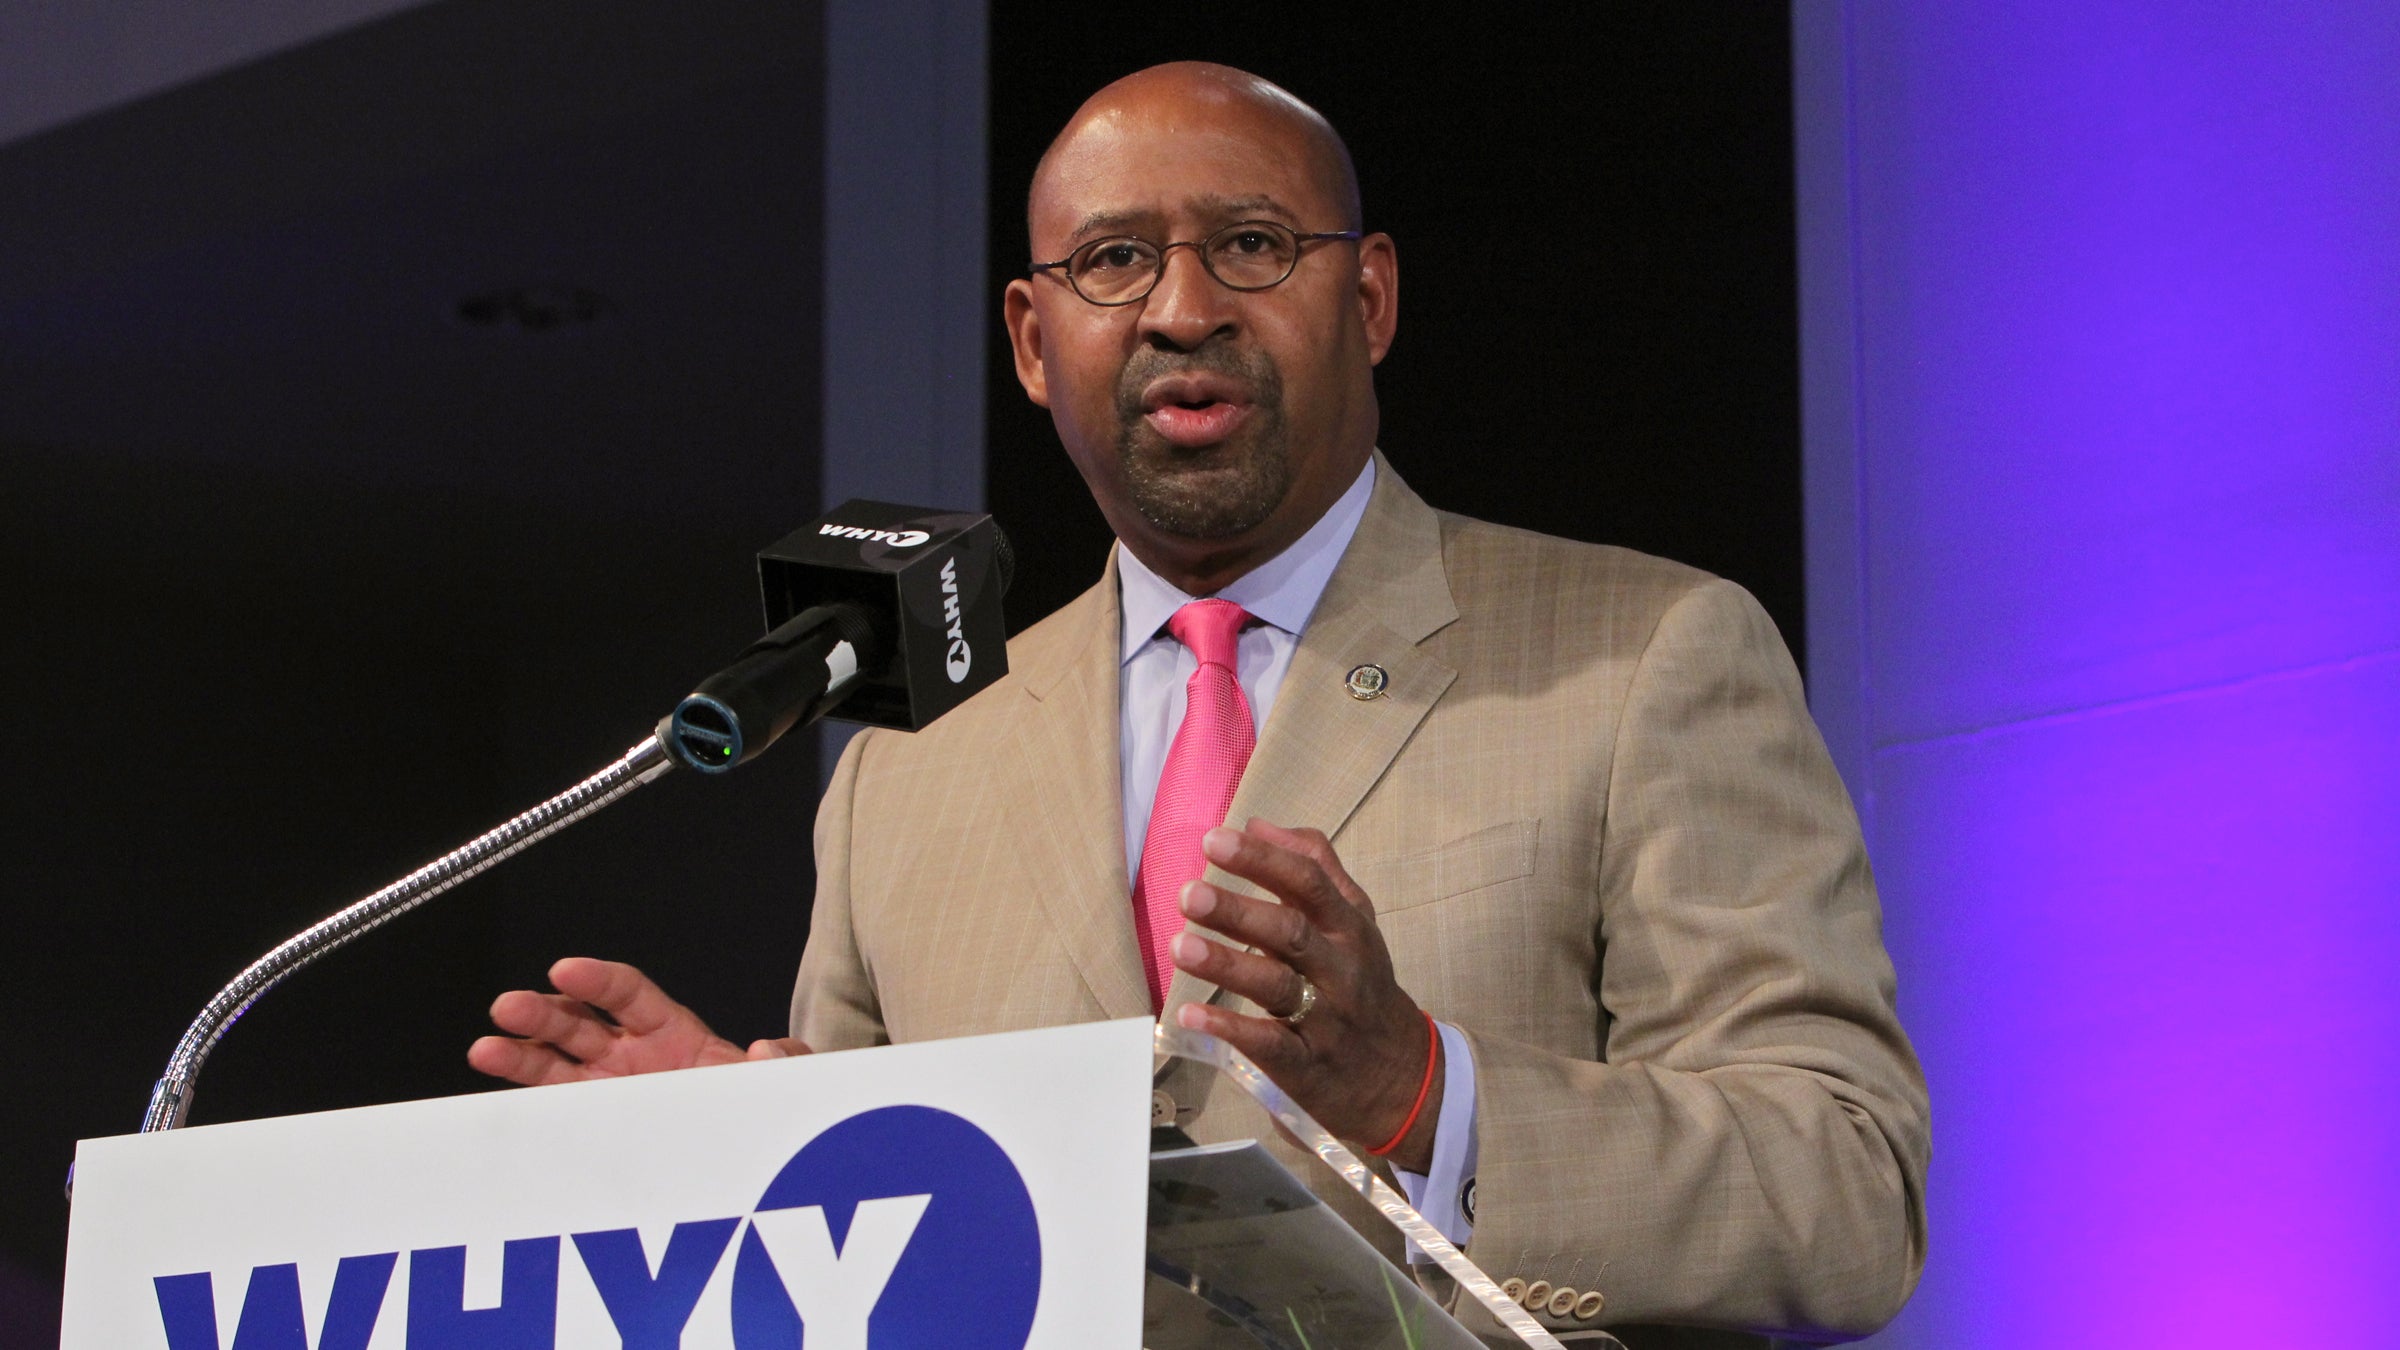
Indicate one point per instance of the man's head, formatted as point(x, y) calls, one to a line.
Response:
point(1213, 425)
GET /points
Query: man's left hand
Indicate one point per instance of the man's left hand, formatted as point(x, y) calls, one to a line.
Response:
point(1356, 1059)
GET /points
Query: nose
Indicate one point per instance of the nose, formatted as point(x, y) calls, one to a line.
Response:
point(1188, 307)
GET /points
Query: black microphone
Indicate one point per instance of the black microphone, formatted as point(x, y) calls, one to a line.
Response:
point(876, 613)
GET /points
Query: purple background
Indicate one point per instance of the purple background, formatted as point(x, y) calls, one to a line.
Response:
point(2102, 370)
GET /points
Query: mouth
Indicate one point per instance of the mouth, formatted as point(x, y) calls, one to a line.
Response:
point(1196, 410)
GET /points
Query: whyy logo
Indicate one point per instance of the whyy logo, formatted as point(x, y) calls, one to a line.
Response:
point(895, 538)
point(959, 658)
point(902, 1226)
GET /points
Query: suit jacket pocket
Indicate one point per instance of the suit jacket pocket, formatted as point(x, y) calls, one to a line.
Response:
point(1487, 857)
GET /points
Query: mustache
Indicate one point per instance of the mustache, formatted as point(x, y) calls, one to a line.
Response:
point(1254, 370)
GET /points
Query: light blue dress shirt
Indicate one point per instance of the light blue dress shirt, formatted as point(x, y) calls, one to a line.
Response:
point(1281, 594)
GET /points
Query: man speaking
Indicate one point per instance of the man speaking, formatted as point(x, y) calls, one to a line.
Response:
point(1538, 882)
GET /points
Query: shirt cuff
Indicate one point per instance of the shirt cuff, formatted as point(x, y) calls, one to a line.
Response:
point(1445, 1194)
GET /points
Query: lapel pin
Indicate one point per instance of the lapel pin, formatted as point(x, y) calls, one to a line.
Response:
point(1367, 681)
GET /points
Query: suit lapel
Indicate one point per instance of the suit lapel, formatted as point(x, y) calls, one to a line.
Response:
point(1322, 749)
point(1071, 817)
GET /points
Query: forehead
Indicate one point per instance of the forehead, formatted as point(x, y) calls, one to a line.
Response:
point(1128, 170)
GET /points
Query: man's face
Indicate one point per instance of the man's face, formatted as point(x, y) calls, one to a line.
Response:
point(1213, 426)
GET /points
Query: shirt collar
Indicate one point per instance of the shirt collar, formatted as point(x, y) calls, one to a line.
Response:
point(1282, 591)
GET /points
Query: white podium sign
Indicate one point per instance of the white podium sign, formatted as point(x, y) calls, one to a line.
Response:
point(972, 1193)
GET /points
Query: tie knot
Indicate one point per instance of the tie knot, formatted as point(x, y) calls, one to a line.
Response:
point(1210, 628)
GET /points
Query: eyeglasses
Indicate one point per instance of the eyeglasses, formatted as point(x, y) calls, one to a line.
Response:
point(1248, 255)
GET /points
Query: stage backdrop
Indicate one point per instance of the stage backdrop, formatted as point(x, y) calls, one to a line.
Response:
point(2103, 401)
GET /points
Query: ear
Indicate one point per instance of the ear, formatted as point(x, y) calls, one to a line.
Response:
point(1378, 293)
point(1025, 339)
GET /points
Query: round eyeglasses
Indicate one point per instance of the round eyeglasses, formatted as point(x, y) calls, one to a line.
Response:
point(1248, 255)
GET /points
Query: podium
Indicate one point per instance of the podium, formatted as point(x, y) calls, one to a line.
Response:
point(997, 1191)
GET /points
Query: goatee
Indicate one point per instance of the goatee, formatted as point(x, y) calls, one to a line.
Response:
point(1217, 491)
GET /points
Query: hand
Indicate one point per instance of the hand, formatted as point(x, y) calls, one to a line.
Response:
point(607, 1020)
point(1356, 1060)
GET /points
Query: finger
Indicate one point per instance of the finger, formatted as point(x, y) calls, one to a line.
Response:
point(1314, 845)
point(555, 1018)
point(779, 1047)
point(1281, 931)
point(1275, 1048)
point(1291, 876)
point(624, 993)
point(1265, 981)
point(711, 1052)
point(525, 1063)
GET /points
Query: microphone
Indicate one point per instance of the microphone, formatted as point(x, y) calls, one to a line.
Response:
point(890, 614)
point(876, 613)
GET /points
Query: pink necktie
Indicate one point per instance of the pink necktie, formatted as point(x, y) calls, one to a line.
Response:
point(1204, 766)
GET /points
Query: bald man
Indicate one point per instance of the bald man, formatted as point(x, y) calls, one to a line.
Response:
point(1538, 882)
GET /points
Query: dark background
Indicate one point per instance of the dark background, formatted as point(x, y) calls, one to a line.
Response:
point(307, 579)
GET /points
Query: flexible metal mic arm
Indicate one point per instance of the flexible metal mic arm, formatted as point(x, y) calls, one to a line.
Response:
point(791, 676)
point(855, 609)
point(171, 1100)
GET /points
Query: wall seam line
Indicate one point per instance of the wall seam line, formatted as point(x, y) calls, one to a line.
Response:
point(2138, 702)
point(1858, 420)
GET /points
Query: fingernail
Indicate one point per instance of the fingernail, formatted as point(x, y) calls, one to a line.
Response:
point(1220, 844)
point(1188, 1017)
point(1190, 949)
point(768, 1050)
point(1198, 899)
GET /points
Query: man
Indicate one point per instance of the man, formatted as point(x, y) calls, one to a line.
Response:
point(1569, 917)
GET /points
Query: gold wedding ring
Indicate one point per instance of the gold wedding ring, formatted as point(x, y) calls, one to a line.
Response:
point(1308, 1004)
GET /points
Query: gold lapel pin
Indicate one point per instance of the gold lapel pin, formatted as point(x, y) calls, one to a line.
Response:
point(1367, 681)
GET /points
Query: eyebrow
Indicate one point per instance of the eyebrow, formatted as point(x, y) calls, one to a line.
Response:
point(1226, 209)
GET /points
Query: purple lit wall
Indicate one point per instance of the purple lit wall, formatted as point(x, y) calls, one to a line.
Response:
point(2102, 359)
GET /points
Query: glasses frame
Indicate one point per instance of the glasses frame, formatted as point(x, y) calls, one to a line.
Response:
point(1301, 239)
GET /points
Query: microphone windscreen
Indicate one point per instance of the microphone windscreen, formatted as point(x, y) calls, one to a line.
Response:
point(932, 582)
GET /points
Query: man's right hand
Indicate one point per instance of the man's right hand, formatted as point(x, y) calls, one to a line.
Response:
point(607, 1020)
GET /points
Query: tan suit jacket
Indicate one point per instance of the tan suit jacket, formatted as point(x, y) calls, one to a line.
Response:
point(1603, 838)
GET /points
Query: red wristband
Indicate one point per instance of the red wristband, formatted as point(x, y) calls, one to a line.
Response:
point(1433, 1056)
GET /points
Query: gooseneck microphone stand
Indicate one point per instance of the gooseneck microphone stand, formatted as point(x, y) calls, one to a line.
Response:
point(883, 604)
point(171, 1100)
point(870, 599)
point(790, 677)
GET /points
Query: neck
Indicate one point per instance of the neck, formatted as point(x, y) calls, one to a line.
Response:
point(1203, 567)
point(1202, 574)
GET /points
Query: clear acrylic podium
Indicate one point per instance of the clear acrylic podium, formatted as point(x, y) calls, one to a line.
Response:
point(1241, 1256)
